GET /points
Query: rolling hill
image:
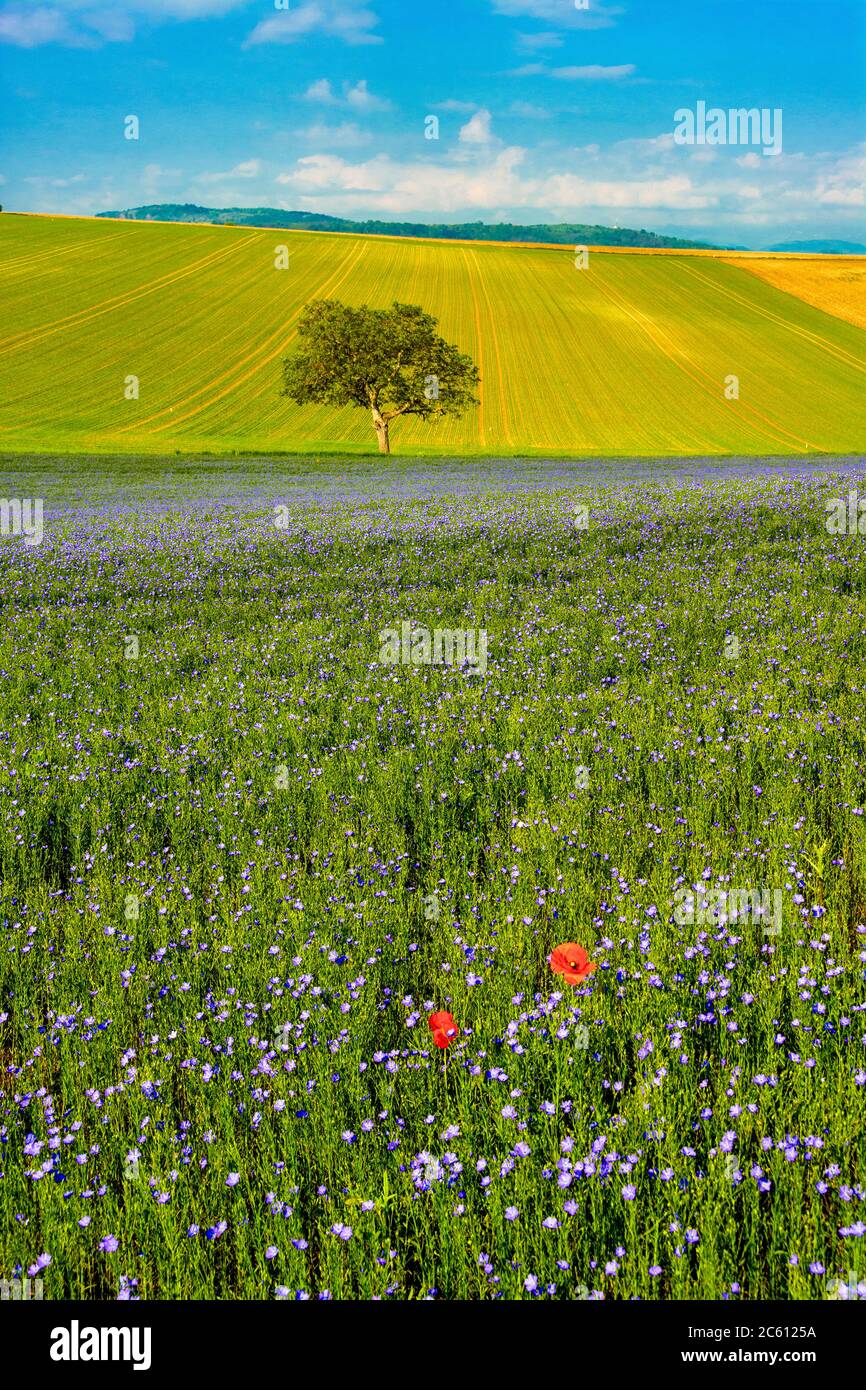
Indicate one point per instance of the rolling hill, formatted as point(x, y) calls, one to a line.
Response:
point(136, 337)
point(560, 233)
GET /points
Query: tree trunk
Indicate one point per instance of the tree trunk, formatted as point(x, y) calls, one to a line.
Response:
point(381, 432)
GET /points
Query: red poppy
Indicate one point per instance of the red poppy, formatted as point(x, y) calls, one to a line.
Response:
point(572, 962)
point(443, 1028)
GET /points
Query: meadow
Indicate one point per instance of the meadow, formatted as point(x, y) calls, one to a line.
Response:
point(129, 337)
point(242, 862)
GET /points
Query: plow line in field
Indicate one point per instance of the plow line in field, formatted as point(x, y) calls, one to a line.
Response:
point(505, 414)
point(233, 381)
point(693, 370)
point(478, 347)
point(841, 354)
point(108, 306)
point(52, 254)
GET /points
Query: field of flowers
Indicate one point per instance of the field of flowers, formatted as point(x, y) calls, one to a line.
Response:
point(245, 860)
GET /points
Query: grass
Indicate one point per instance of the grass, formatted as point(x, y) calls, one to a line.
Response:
point(255, 826)
point(125, 337)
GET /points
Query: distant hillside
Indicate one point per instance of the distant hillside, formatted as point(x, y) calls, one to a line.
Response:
point(822, 248)
point(561, 233)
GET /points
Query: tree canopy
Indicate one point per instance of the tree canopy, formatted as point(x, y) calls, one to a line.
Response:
point(391, 362)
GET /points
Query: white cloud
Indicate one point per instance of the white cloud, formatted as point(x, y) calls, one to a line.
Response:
point(638, 182)
point(642, 182)
point(180, 9)
point(322, 92)
point(346, 135)
point(150, 186)
point(29, 28)
point(387, 185)
point(646, 146)
point(87, 23)
point(452, 104)
point(563, 12)
point(676, 192)
point(594, 72)
point(357, 97)
point(827, 193)
point(339, 19)
point(111, 25)
point(528, 111)
point(40, 181)
point(248, 169)
point(361, 99)
point(533, 43)
point(476, 131)
point(156, 175)
point(844, 184)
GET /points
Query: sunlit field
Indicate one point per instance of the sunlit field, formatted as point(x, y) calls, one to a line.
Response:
point(247, 851)
point(130, 337)
point(836, 284)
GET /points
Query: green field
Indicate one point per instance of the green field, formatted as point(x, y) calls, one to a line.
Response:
point(630, 356)
point(242, 861)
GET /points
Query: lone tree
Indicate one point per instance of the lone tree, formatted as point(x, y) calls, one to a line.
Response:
point(388, 361)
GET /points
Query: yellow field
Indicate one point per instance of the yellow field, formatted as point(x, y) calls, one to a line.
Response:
point(836, 284)
point(135, 337)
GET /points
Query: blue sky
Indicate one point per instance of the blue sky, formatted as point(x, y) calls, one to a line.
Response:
point(546, 112)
